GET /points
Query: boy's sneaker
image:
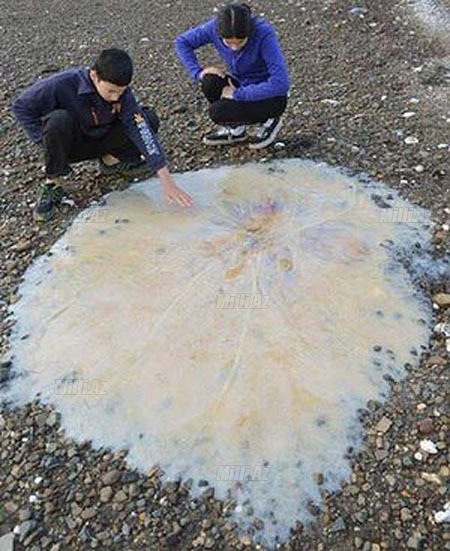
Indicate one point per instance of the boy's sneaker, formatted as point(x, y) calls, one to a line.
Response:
point(225, 135)
point(129, 169)
point(267, 133)
point(50, 197)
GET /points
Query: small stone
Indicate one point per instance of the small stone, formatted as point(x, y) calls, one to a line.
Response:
point(21, 246)
point(431, 477)
point(383, 425)
point(25, 514)
point(426, 426)
point(106, 494)
point(413, 542)
point(405, 514)
point(7, 542)
point(111, 477)
point(442, 299)
point(52, 419)
point(411, 140)
point(25, 528)
point(88, 513)
point(246, 540)
point(11, 507)
point(121, 496)
point(337, 526)
point(390, 479)
point(358, 542)
point(428, 446)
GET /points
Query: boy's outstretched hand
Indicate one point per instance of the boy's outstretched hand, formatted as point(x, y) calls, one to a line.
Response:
point(172, 193)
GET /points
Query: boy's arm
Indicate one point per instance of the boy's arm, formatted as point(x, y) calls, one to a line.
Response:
point(278, 81)
point(140, 132)
point(186, 43)
point(34, 103)
point(143, 136)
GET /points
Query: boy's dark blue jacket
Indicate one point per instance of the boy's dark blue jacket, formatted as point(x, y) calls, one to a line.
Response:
point(259, 66)
point(74, 91)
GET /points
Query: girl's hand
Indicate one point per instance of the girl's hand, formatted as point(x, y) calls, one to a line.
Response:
point(228, 91)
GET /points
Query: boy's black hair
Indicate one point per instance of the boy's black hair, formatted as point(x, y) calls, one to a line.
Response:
point(115, 66)
point(235, 21)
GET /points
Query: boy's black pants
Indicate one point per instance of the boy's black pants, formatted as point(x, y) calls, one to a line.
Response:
point(229, 112)
point(64, 142)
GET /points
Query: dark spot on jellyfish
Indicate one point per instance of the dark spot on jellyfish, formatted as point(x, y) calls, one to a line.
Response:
point(421, 321)
point(389, 379)
point(407, 366)
point(387, 244)
point(413, 352)
point(202, 483)
point(379, 201)
point(380, 313)
point(49, 253)
point(141, 436)
point(101, 232)
point(121, 221)
point(321, 421)
point(265, 463)
point(377, 363)
point(24, 337)
point(398, 316)
point(377, 348)
point(417, 245)
point(298, 464)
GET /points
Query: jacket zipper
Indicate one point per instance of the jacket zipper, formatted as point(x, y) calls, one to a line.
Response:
point(94, 116)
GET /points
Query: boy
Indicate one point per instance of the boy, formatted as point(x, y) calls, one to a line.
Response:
point(82, 114)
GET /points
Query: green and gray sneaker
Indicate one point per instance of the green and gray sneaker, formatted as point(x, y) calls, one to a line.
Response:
point(51, 196)
point(128, 169)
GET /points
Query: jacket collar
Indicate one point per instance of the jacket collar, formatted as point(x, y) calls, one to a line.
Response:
point(85, 85)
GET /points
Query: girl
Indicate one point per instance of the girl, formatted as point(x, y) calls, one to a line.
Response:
point(256, 88)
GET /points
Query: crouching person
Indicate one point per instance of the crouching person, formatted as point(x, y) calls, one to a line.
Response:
point(91, 113)
point(254, 89)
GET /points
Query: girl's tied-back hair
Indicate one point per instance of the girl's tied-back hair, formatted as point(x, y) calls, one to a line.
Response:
point(235, 20)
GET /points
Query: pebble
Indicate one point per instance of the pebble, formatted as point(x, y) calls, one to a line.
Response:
point(428, 446)
point(444, 515)
point(337, 526)
point(7, 542)
point(413, 542)
point(426, 426)
point(442, 299)
point(383, 425)
point(111, 477)
point(411, 140)
point(106, 494)
point(88, 513)
point(21, 246)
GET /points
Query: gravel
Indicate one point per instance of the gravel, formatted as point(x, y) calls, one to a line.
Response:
point(370, 92)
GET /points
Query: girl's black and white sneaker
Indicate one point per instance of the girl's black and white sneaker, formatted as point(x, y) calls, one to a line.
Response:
point(225, 135)
point(266, 134)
